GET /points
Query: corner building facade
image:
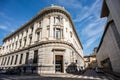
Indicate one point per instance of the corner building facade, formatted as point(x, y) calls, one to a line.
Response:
point(48, 43)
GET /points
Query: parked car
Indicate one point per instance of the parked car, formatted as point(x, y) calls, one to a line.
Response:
point(3, 71)
point(99, 70)
point(12, 71)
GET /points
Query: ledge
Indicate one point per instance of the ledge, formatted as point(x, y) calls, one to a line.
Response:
point(43, 43)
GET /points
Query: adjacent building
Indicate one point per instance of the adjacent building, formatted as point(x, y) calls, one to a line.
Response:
point(0, 50)
point(90, 60)
point(108, 52)
point(48, 43)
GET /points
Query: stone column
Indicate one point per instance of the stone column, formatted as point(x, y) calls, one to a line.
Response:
point(51, 28)
point(22, 44)
point(28, 39)
point(24, 58)
point(17, 39)
point(20, 37)
point(44, 28)
point(13, 44)
point(31, 56)
point(33, 35)
point(10, 45)
point(65, 34)
point(4, 47)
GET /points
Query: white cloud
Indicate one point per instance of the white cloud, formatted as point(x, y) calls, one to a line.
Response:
point(90, 41)
point(88, 11)
point(93, 28)
point(93, 24)
point(3, 27)
point(3, 15)
point(92, 32)
point(70, 3)
point(6, 28)
point(6, 25)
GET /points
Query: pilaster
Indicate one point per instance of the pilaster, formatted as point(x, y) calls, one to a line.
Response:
point(51, 28)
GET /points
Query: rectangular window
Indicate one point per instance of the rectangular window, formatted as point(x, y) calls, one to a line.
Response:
point(21, 59)
point(8, 60)
point(35, 59)
point(16, 59)
point(32, 28)
point(24, 41)
point(58, 33)
point(38, 35)
point(30, 39)
point(58, 19)
point(12, 60)
point(12, 45)
point(20, 42)
point(5, 60)
point(26, 31)
point(16, 43)
point(40, 24)
point(54, 20)
point(2, 61)
point(27, 57)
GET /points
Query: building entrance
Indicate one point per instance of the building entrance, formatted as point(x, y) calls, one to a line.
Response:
point(107, 64)
point(59, 63)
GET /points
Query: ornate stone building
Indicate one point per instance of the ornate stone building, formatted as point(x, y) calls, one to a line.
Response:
point(108, 52)
point(48, 43)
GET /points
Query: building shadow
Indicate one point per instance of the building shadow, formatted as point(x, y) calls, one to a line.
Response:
point(74, 69)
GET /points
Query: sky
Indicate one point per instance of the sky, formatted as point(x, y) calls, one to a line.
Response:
point(85, 15)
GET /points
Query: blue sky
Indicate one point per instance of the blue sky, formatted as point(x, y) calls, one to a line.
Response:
point(85, 15)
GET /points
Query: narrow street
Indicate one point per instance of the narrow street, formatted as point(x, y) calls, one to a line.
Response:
point(88, 75)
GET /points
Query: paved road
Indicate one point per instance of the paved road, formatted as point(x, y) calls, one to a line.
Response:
point(88, 75)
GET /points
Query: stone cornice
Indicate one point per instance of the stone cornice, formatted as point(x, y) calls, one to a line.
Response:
point(41, 14)
point(43, 43)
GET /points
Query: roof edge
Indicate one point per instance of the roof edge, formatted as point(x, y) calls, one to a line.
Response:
point(104, 10)
point(40, 13)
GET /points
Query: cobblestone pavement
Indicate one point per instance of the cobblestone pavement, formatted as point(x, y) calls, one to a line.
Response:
point(88, 75)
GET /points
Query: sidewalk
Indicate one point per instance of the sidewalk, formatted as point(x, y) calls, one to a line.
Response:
point(112, 73)
point(88, 75)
